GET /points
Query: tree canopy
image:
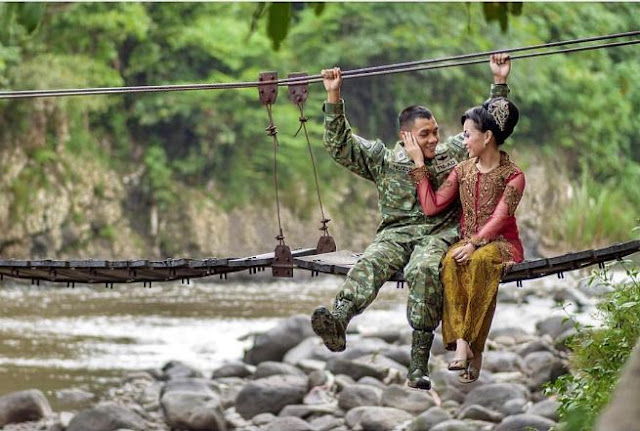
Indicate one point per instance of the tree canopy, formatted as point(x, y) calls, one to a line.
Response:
point(578, 106)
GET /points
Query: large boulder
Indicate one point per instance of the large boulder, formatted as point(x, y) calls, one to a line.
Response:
point(23, 406)
point(273, 368)
point(273, 344)
point(107, 417)
point(359, 395)
point(376, 418)
point(543, 367)
point(547, 408)
point(289, 423)
point(178, 370)
point(270, 395)
point(495, 396)
point(553, 326)
point(525, 422)
point(192, 404)
point(501, 361)
point(405, 398)
point(429, 419)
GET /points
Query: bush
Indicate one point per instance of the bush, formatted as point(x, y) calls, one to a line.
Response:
point(600, 353)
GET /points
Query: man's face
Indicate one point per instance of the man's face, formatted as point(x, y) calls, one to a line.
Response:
point(426, 133)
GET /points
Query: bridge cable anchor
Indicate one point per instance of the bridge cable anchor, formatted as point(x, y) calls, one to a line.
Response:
point(282, 265)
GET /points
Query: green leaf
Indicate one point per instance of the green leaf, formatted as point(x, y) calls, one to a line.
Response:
point(30, 15)
point(278, 21)
point(255, 17)
point(516, 8)
point(318, 8)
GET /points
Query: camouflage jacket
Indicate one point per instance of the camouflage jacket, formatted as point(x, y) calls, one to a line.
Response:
point(401, 215)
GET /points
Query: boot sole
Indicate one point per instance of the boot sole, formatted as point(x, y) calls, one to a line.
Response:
point(324, 325)
point(420, 384)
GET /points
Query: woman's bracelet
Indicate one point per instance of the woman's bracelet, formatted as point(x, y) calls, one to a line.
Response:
point(477, 241)
point(418, 174)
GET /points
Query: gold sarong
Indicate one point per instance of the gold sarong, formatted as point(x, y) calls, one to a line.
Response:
point(470, 293)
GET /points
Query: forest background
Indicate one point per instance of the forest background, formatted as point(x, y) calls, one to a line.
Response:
point(190, 174)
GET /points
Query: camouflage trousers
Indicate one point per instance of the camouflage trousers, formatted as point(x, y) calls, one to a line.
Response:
point(420, 261)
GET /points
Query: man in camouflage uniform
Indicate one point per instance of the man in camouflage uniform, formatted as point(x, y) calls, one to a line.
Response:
point(406, 238)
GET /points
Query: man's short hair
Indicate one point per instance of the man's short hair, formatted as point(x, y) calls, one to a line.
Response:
point(409, 115)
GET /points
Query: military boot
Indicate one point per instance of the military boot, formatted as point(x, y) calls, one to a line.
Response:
point(331, 326)
point(418, 375)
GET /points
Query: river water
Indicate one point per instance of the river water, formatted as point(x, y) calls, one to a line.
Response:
point(56, 338)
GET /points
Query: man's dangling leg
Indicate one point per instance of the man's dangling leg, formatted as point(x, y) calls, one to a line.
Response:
point(381, 260)
point(424, 306)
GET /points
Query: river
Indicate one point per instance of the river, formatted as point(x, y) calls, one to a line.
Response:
point(55, 338)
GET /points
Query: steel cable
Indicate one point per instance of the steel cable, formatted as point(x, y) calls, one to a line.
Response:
point(303, 120)
point(273, 132)
point(348, 74)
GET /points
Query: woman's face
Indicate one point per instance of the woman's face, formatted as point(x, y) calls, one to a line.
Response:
point(474, 139)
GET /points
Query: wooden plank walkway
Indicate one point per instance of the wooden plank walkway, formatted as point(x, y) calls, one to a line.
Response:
point(340, 262)
point(147, 271)
point(130, 271)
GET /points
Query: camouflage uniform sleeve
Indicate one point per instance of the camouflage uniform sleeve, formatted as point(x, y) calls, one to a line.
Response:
point(499, 90)
point(360, 156)
point(457, 148)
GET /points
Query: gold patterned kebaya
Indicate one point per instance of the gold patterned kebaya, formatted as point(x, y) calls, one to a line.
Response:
point(489, 201)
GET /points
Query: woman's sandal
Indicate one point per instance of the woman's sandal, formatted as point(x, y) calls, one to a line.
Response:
point(470, 374)
point(459, 364)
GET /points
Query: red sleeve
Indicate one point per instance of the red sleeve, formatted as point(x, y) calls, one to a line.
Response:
point(505, 209)
point(433, 203)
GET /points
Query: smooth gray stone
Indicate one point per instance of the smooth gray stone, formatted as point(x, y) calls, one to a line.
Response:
point(359, 395)
point(494, 396)
point(453, 425)
point(270, 395)
point(429, 419)
point(480, 413)
point(272, 368)
point(106, 417)
point(23, 406)
point(546, 408)
point(289, 423)
point(376, 418)
point(411, 400)
point(525, 422)
point(273, 344)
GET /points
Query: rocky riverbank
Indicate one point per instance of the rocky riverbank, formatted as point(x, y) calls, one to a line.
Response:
point(288, 381)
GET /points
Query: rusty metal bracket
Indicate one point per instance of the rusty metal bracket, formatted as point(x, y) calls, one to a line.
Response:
point(298, 92)
point(326, 244)
point(282, 265)
point(269, 90)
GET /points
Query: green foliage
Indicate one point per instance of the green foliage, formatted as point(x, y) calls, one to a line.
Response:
point(600, 353)
point(594, 215)
point(44, 155)
point(581, 105)
point(30, 180)
point(158, 177)
point(20, 18)
point(108, 233)
point(278, 23)
point(499, 11)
